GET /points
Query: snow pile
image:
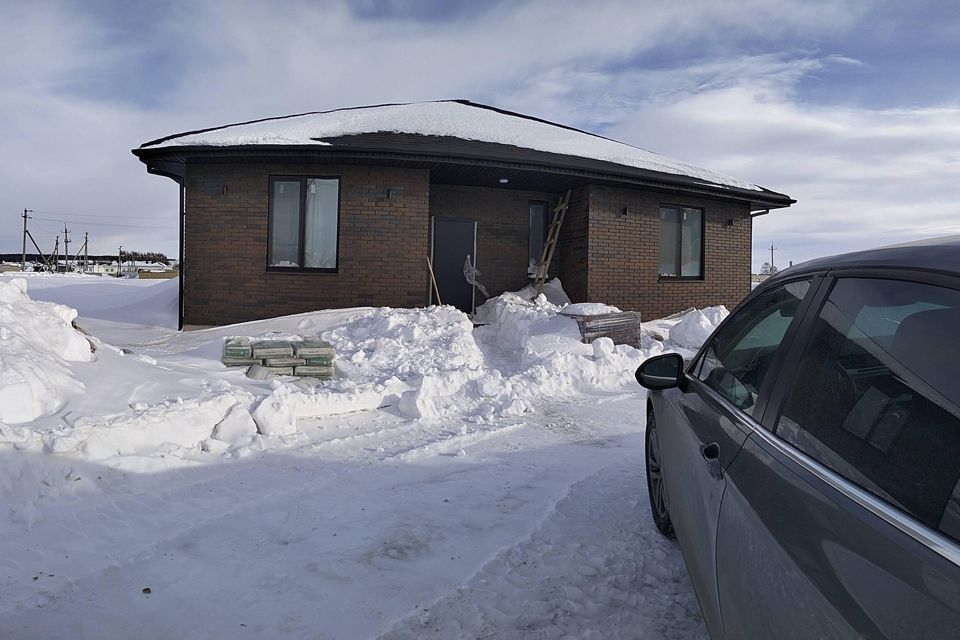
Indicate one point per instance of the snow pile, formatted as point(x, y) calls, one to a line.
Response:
point(212, 421)
point(37, 341)
point(431, 364)
point(589, 309)
point(443, 118)
point(695, 327)
point(215, 420)
point(416, 358)
point(552, 291)
point(516, 324)
point(543, 349)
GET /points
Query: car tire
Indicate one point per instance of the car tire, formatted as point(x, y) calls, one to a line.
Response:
point(654, 473)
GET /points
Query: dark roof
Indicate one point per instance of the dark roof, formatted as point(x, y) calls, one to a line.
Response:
point(468, 103)
point(451, 159)
point(940, 254)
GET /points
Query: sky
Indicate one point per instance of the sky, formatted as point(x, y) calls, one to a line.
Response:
point(852, 107)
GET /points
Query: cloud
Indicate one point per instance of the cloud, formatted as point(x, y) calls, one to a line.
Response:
point(716, 86)
point(862, 177)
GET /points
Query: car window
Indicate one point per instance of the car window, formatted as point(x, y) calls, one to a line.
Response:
point(739, 355)
point(875, 395)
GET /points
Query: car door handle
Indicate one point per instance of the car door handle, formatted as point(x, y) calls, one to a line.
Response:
point(711, 453)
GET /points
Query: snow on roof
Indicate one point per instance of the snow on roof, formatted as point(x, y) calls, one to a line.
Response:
point(458, 119)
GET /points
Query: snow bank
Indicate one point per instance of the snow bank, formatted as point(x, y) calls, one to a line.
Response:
point(695, 327)
point(37, 343)
point(381, 356)
point(430, 365)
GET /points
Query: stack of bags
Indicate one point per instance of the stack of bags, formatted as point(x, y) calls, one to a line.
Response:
point(308, 357)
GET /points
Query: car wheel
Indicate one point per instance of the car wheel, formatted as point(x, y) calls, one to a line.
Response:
point(658, 498)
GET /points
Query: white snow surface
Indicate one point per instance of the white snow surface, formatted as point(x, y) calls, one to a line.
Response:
point(589, 309)
point(444, 118)
point(695, 327)
point(37, 344)
point(452, 481)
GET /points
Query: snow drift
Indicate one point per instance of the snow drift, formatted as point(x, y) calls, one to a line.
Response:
point(695, 326)
point(37, 343)
point(430, 366)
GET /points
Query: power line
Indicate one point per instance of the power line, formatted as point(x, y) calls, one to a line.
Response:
point(96, 215)
point(109, 224)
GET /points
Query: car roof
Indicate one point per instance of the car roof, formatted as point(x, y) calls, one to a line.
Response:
point(933, 254)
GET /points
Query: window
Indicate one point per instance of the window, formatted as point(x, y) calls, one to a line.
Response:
point(681, 242)
point(738, 357)
point(538, 233)
point(303, 222)
point(876, 394)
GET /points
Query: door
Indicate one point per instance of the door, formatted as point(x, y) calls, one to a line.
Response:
point(453, 241)
point(705, 426)
point(844, 521)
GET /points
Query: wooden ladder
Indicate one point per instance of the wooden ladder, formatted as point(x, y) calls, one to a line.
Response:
point(550, 244)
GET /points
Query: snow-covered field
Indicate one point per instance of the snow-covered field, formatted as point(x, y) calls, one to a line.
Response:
point(452, 482)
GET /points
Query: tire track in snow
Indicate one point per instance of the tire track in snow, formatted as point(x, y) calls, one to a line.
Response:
point(594, 568)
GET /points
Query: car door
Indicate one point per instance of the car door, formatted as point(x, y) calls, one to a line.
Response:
point(843, 521)
point(704, 426)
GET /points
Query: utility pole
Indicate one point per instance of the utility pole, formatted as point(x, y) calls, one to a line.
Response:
point(56, 255)
point(772, 249)
point(86, 251)
point(119, 263)
point(66, 247)
point(23, 254)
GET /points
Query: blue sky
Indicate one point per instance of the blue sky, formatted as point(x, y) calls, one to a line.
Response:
point(850, 106)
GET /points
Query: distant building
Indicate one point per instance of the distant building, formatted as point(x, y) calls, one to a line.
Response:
point(343, 208)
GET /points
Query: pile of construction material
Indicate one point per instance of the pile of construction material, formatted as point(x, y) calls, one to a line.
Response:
point(623, 327)
point(307, 357)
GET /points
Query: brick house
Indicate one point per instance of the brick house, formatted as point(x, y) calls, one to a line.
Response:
point(342, 208)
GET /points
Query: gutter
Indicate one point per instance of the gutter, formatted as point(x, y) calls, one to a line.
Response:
point(763, 200)
point(180, 182)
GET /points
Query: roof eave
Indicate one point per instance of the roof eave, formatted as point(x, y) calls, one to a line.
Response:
point(760, 201)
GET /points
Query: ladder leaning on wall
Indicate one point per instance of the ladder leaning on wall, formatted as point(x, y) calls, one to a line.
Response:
point(553, 232)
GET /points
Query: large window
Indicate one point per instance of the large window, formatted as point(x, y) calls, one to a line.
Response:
point(681, 242)
point(736, 361)
point(303, 222)
point(875, 396)
point(538, 234)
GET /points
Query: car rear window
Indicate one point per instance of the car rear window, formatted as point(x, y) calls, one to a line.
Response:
point(875, 395)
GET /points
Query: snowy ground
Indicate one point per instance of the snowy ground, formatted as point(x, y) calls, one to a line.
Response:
point(454, 483)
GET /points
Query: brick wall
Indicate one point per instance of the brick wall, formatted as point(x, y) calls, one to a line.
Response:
point(601, 256)
point(383, 243)
point(624, 253)
point(503, 232)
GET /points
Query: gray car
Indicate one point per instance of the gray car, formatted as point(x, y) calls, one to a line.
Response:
point(808, 457)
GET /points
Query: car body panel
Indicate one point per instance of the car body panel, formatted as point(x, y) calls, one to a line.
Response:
point(797, 550)
point(696, 486)
point(799, 559)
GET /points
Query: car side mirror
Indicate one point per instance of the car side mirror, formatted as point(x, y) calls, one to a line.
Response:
point(662, 372)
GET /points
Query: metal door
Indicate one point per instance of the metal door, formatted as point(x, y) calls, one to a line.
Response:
point(453, 241)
